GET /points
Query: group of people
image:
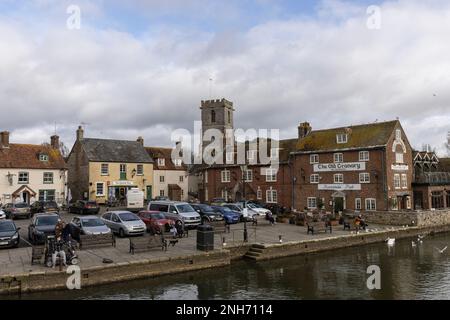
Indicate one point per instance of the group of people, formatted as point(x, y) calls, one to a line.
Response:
point(56, 245)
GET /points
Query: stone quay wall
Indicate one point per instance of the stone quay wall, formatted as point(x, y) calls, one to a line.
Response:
point(408, 218)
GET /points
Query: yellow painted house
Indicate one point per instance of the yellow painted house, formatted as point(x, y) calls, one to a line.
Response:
point(103, 169)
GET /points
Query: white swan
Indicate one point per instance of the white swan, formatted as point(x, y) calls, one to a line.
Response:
point(390, 241)
point(413, 244)
point(441, 251)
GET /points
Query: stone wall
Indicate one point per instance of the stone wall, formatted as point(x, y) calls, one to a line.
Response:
point(409, 218)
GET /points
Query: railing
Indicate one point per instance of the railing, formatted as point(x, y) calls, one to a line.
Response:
point(236, 236)
point(433, 178)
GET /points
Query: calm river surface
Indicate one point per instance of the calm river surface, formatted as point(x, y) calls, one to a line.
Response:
point(406, 273)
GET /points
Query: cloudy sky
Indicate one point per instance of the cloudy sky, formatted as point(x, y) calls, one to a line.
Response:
point(142, 67)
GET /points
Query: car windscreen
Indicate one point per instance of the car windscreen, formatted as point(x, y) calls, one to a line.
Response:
point(225, 209)
point(251, 205)
point(182, 208)
point(206, 208)
point(157, 216)
point(21, 205)
point(7, 226)
point(126, 216)
point(50, 205)
point(46, 221)
point(92, 223)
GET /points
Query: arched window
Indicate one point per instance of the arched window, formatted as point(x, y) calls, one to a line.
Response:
point(213, 116)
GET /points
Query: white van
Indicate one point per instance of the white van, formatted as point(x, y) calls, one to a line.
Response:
point(135, 200)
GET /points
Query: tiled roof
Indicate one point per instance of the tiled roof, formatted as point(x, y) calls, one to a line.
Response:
point(444, 164)
point(26, 156)
point(359, 136)
point(104, 150)
point(163, 153)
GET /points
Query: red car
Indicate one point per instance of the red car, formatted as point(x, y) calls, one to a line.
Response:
point(154, 220)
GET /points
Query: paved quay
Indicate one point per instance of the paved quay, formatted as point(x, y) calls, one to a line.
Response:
point(18, 275)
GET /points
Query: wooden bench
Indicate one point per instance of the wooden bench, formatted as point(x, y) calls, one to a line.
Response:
point(97, 240)
point(315, 227)
point(350, 225)
point(220, 227)
point(37, 254)
point(146, 243)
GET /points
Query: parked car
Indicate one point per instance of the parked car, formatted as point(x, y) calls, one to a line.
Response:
point(177, 211)
point(17, 210)
point(44, 207)
point(84, 207)
point(156, 219)
point(161, 198)
point(218, 201)
point(41, 226)
point(207, 213)
point(9, 234)
point(124, 223)
point(246, 214)
point(87, 225)
point(230, 216)
point(2, 215)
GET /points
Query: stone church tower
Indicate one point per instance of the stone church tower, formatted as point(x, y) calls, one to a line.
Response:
point(217, 114)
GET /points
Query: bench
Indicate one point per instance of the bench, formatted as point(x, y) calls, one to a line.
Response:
point(351, 225)
point(37, 254)
point(220, 227)
point(146, 243)
point(97, 240)
point(315, 227)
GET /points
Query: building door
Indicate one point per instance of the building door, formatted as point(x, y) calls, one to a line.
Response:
point(26, 197)
point(418, 200)
point(338, 204)
point(149, 193)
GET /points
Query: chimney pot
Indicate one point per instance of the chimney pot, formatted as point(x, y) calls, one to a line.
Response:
point(80, 133)
point(54, 142)
point(304, 129)
point(140, 140)
point(4, 139)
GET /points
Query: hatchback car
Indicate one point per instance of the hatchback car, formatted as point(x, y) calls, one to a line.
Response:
point(84, 207)
point(88, 225)
point(124, 223)
point(207, 213)
point(2, 215)
point(42, 225)
point(156, 220)
point(9, 234)
point(17, 210)
point(230, 216)
point(44, 207)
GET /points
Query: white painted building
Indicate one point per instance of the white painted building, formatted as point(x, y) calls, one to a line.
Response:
point(31, 172)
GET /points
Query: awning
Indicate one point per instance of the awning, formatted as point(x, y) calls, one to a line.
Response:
point(22, 189)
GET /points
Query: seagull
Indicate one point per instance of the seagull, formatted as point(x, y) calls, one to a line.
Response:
point(441, 251)
point(421, 236)
point(413, 244)
point(390, 241)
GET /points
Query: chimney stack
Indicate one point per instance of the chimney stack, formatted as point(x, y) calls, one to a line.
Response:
point(80, 133)
point(54, 141)
point(140, 140)
point(304, 129)
point(4, 139)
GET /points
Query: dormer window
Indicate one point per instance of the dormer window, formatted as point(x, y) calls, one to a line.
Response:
point(342, 138)
point(177, 162)
point(43, 157)
point(161, 162)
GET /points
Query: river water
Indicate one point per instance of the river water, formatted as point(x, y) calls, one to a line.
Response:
point(407, 272)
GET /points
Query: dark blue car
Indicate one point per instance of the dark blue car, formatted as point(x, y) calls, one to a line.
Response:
point(230, 216)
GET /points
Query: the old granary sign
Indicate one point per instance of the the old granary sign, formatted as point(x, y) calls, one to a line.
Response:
point(339, 187)
point(344, 166)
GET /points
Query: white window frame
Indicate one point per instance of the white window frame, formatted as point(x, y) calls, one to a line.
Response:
point(49, 179)
point(364, 156)
point(162, 179)
point(162, 193)
point(314, 159)
point(399, 157)
point(271, 175)
point(271, 196)
point(225, 176)
point(338, 181)
point(247, 175)
point(259, 193)
point(229, 157)
point(177, 162)
point(102, 166)
point(20, 179)
point(103, 189)
point(404, 181)
point(341, 138)
point(43, 157)
point(364, 177)
point(314, 178)
point(371, 204)
point(338, 157)
point(311, 203)
point(161, 162)
point(397, 181)
point(358, 204)
point(140, 170)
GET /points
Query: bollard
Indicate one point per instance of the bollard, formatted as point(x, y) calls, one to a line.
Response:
point(245, 232)
point(224, 243)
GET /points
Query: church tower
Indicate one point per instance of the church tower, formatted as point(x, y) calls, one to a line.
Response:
point(217, 114)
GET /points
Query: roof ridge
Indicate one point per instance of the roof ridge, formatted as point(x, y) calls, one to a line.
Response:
point(355, 126)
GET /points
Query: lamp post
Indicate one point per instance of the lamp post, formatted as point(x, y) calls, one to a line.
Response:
point(244, 169)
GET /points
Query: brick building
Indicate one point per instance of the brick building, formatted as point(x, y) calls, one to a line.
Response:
point(363, 167)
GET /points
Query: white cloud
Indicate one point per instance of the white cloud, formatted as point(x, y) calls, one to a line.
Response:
point(330, 70)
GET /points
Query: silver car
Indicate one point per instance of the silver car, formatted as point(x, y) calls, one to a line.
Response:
point(124, 223)
point(89, 225)
point(177, 211)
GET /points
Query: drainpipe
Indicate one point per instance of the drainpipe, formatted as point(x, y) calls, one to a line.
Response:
point(384, 179)
point(292, 175)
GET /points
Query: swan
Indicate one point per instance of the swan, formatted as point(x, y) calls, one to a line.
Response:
point(390, 241)
point(441, 251)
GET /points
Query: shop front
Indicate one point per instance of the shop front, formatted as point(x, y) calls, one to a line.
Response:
point(117, 190)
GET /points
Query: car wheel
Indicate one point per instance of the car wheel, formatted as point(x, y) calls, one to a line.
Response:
point(121, 233)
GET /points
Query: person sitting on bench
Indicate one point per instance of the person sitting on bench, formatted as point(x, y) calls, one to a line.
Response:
point(270, 218)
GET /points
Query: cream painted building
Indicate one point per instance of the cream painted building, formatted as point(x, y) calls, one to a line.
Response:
point(103, 170)
point(31, 172)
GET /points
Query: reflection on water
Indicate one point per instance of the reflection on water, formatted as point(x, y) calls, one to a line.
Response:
point(407, 272)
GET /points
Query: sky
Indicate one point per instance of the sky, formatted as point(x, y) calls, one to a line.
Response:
point(141, 68)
